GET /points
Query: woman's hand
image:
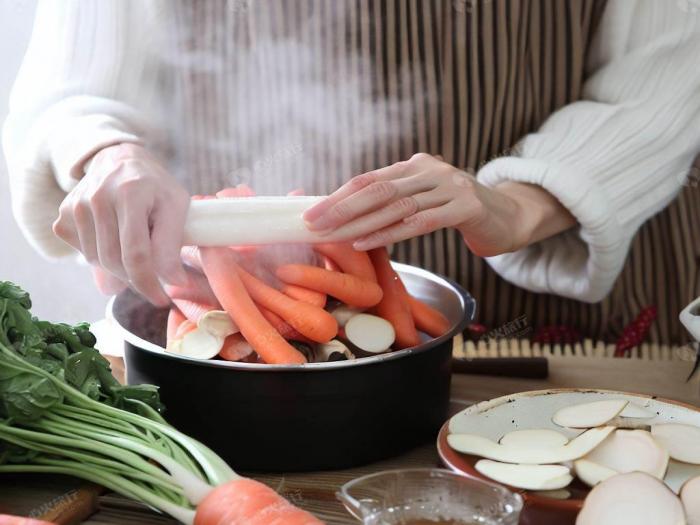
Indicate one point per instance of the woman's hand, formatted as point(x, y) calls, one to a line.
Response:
point(127, 216)
point(425, 194)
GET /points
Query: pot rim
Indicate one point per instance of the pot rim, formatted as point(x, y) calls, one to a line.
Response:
point(467, 308)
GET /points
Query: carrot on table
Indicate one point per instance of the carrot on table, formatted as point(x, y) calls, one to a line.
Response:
point(219, 266)
point(394, 307)
point(348, 259)
point(309, 320)
point(235, 348)
point(347, 288)
point(305, 295)
point(251, 502)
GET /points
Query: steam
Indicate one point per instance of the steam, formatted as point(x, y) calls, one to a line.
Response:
point(270, 103)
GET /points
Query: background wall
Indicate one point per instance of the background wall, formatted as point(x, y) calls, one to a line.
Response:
point(62, 291)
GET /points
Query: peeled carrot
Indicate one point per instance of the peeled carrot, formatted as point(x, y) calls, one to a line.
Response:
point(219, 264)
point(304, 294)
point(242, 190)
point(348, 259)
point(394, 307)
point(185, 328)
point(6, 519)
point(175, 319)
point(283, 327)
point(249, 502)
point(427, 318)
point(192, 310)
point(235, 348)
point(347, 288)
point(312, 321)
point(190, 256)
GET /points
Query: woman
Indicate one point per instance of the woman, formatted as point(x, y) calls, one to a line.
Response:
point(580, 120)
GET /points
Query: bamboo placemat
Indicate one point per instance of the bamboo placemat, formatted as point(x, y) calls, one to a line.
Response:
point(652, 369)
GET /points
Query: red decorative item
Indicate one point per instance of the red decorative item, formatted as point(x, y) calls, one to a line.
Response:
point(475, 331)
point(636, 332)
point(556, 334)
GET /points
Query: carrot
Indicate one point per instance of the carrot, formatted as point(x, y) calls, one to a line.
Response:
point(348, 259)
point(190, 256)
point(427, 318)
point(175, 319)
point(249, 502)
point(309, 320)
point(304, 294)
point(219, 264)
point(235, 348)
point(6, 519)
point(192, 310)
point(185, 328)
point(283, 327)
point(394, 307)
point(347, 288)
point(242, 190)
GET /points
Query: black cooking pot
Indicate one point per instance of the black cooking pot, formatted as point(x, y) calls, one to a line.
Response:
point(306, 417)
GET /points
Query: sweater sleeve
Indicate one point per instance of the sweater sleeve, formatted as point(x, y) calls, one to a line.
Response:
point(89, 79)
point(617, 156)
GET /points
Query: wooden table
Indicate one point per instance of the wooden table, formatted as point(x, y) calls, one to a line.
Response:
point(315, 491)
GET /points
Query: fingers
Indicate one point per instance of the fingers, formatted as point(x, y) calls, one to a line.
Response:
point(107, 283)
point(353, 185)
point(134, 236)
point(168, 219)
point(392, 213)
point(418, 224)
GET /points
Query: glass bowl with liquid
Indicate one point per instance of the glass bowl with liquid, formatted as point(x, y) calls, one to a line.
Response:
point(428, 497)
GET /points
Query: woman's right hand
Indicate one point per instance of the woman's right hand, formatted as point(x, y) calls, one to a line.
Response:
point(127, 215)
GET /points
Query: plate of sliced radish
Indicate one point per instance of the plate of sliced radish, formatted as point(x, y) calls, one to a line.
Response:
point(584, 456)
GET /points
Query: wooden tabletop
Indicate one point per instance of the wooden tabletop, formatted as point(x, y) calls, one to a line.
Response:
point(315, 491)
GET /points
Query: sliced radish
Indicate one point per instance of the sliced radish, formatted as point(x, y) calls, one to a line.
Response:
point(198, 344)
point(534, 438)
point(218, 323)
point(690, 497)
point(635, 498)
point(592, 473)
point(678, 473)
point(629, 451)
point(333, 350)
point(681, 441)
point(630, 423)
point(589, 415)
point(554, 494)
point(574, 449)
point(636, 411)
point(370, 333)
point(343, 313)
point(532, 477)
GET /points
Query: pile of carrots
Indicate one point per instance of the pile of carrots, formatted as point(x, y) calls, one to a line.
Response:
point(271, 306)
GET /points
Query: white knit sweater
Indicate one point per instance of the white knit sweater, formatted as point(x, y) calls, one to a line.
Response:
point(613, 159)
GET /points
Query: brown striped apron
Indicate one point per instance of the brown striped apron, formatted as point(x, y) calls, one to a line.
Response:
point(307, 93)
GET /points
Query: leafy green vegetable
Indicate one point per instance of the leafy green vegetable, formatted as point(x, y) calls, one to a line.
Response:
point(62, 412)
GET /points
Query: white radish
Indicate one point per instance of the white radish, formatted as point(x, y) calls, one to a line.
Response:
point(589, 415)
point(681, 441)
point(370, 333)
point(635, 411)
point(592, 473)
point(534, 438)
point(678, 473)
point(198, 344)
point(218, 322)
point(629, 451)
point(343, 313)
point(690, 497)
point(635, 498)
point(324, 351)
point(574, 449)
point(531, 477)
point(554, 494)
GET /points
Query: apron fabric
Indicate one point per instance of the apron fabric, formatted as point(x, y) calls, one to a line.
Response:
point(285, 94)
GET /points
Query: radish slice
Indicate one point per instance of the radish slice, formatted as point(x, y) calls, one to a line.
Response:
point(198, 344)
point(636, 411)
point(690, 496)
point(344, 313)
point(325, 351)
point(681, 441)
point(630, 423)
point(370, 333)
point(534, 438)
point(629, 451)
point(554, 494)
point(631, 499)
point(575, 449)
point(678, 473)
point(589, 415)
point(532, 477)
point(592, 473)
point(219, 323)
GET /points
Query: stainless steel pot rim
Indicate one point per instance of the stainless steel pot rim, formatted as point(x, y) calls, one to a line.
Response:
point(467, 304)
